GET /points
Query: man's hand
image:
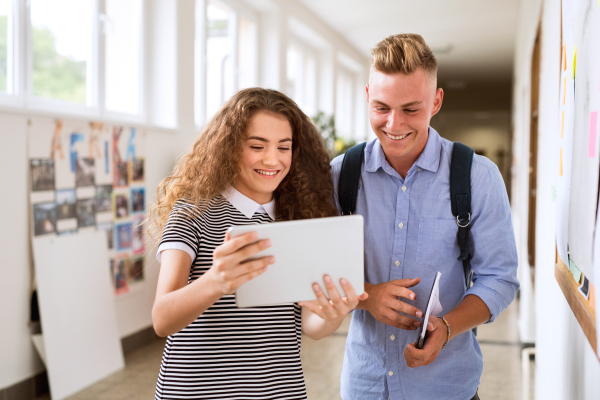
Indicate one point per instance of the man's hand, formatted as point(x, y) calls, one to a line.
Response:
point(434, 340)
point(383, 303)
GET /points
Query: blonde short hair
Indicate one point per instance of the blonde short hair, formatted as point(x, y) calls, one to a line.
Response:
point(403, 53)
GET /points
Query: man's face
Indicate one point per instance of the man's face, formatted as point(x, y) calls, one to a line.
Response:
point(400, 108)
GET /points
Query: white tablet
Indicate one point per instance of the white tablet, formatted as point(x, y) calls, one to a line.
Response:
point(304, 252)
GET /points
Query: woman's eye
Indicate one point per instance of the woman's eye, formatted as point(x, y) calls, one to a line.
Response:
point(256, 147)
point(284, 148)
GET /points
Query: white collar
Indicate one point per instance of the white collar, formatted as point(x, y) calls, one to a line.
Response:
point(246, 205)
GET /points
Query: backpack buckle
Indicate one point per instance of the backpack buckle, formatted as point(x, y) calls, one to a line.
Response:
point(463, 226)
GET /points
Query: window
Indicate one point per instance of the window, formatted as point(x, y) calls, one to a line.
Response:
point(6, 46)
point(219, 56)
point(62, 44)
point(230, 59)
point(301, 78)
point(123, 52)
point(344, 104)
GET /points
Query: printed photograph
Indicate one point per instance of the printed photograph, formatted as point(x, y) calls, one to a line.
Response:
point(85, 174)
point(42, 174)
point(103, 198)
point(86, 213)
point(67, 232)
point(44, 218)
point(136, 170)
point(65, 204)
point(137, 245)
point(138, 202)
point(136, 269)
point(120, 173)
point(123, 236)
point(110, 235)
point(120, 205)
point(120, 274)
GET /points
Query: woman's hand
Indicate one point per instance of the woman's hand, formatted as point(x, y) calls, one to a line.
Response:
point(338, 307)
point(230, 268)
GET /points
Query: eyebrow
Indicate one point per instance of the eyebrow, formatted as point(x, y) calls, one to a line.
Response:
point(266, 141)
point(412, 103)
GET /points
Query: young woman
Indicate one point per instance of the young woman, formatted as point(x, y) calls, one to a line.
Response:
point(259, 160)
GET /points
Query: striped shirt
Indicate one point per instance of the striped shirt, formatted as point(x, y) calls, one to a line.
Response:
point(228, 352)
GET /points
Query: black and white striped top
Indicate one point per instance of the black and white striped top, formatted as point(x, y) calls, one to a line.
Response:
point(228, 352)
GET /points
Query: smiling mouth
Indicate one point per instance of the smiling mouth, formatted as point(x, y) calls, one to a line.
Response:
point(266, 173)
point(396, 137)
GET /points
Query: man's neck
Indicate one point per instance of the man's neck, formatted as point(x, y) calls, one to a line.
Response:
point(402, 164)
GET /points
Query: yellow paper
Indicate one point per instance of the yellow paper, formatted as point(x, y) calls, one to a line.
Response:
point(564, 55)
point(560, 163)
point(574, 61)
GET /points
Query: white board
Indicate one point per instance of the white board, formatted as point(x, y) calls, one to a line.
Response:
point(77, 311)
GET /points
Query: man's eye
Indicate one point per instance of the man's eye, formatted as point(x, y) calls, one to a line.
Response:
point(380, 108)
point(411, 111)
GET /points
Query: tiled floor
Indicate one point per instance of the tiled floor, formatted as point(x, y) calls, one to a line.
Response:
point(322, 362)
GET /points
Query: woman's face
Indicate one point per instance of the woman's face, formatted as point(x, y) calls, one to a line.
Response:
point(266, 156)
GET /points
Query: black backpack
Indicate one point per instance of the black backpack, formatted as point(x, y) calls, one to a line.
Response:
point(460, 193)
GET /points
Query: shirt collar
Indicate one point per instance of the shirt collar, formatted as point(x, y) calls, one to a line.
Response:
point(246, 205)
point(429, 159)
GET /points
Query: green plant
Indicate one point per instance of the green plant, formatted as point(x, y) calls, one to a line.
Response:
point(326, 126)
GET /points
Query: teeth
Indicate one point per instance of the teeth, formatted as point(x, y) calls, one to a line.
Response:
point(396, 137)
point(260, 171)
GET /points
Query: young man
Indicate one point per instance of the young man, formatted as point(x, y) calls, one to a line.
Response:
point(410, 235)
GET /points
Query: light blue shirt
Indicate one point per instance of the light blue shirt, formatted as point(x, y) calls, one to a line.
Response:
point(410, 232)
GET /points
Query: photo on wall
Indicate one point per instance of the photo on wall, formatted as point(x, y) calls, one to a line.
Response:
point(42, 174)
point(85, 174)
point(136, 170)
point(137, 245)
point(66, 204)
point(44, 218)
point(136, 269)
point(120, 205)
point(120, 173)
point(86, 213)
point(110, 235)
point(120, 273)
point(138, 200)
point(104, 198)
point(123, 236)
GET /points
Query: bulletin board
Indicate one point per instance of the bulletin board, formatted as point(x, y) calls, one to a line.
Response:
point(85, 177)
point(577, 222)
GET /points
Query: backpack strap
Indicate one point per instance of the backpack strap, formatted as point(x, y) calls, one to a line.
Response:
point(349, 178)
point(460, 198)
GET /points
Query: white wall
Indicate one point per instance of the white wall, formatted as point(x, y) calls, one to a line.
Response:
point(170, 101)
point(566, 366)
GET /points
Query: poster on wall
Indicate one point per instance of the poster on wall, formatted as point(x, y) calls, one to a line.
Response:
point(565, 138)
point(89, 176)
point(585, 159)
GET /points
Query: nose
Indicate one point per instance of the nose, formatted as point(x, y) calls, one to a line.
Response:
point(394, 121)
point(270, 158)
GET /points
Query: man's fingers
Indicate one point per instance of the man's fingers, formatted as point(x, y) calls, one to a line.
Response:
point(400, 291)
point(232, 245)
point(398, 320)
point(406, 282)
point(406, 308)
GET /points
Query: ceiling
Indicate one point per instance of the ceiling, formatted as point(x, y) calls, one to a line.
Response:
point(473, 40)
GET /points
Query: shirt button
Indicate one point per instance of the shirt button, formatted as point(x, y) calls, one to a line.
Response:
point(404, 188)
point(391, 373)
point(397, 263)
point(400, 225)
point(392, 337)
point(419, 169)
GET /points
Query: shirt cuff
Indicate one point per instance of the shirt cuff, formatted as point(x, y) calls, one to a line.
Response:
point(496, 295)
point(176, 246)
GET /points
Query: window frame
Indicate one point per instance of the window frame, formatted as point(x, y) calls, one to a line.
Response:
point(21, 99)
point(307, 51)
point(239, 9)
point(13, 95)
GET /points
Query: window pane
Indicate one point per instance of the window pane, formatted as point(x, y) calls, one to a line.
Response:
point(219, 57)
point(246, 53)
point(122, 27)
point(294, 75)
point(344, 104)
point(5, 44)
point(62, 48)
point(310, 85)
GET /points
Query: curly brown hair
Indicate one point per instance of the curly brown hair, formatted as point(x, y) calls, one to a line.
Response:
point(212, 164)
